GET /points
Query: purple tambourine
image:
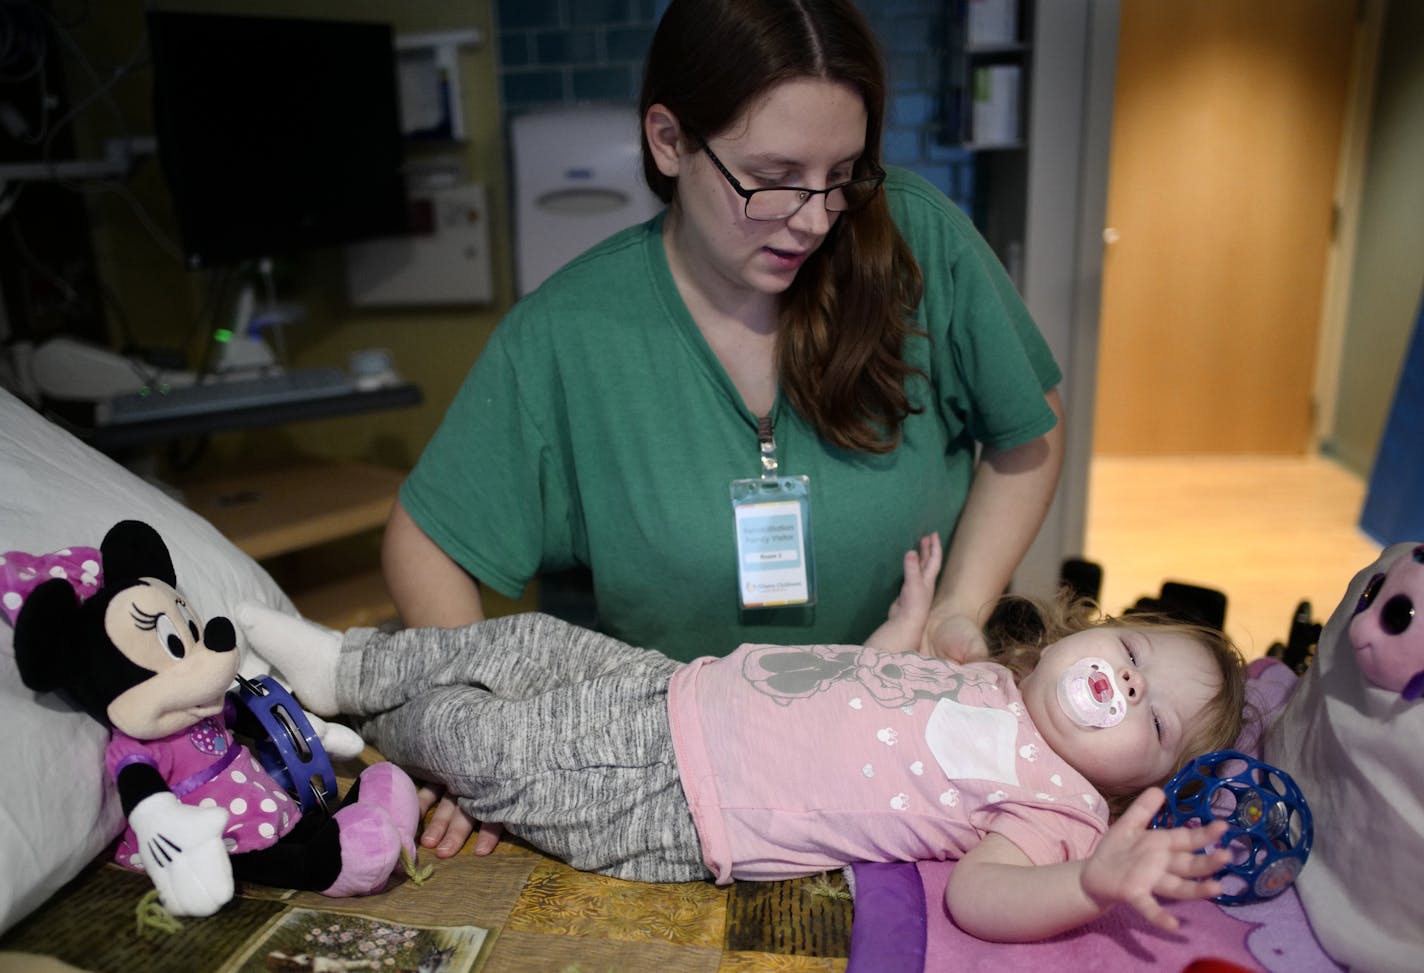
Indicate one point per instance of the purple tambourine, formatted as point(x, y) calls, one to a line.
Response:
point(292, 753)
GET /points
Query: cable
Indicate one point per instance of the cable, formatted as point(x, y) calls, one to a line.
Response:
point(102, 89)
point(25, 46)
point(9, 196)
point(22, 50)
point(71, 22)
point(165, 242)
point(69, 294)
point(25, 41)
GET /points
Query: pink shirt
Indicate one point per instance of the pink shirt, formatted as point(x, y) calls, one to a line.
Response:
point(800, 759)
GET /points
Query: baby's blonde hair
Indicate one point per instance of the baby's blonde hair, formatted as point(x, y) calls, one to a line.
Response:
point(1021, 628)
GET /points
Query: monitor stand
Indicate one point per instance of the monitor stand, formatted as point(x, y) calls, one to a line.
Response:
point(244, 346)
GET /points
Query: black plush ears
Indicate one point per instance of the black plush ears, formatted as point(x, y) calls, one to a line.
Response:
point(49, 617)
point(132, 550)
point(62, 644)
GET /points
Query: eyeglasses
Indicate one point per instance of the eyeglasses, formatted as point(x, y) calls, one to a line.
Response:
point(783, 202)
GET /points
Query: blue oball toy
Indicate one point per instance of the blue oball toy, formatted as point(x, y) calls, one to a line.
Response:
point(1269, 828)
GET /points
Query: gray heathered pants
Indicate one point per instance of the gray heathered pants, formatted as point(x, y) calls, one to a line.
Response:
point(557, 732)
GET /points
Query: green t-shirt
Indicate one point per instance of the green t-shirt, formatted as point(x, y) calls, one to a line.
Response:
point(598, 428)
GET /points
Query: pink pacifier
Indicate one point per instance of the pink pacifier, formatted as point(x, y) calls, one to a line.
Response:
point(1088, 693)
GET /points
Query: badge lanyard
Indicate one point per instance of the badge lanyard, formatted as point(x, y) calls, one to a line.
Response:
point(773, 523)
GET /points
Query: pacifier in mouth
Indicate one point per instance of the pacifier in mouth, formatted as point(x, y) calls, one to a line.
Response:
point(1088, 693)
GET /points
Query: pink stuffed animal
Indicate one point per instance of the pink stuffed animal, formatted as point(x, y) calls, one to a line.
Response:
point(1387, 636)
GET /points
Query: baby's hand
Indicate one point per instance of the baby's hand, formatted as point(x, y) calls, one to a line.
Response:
point(1135, 863)
point(904, 626)
point(912, 607)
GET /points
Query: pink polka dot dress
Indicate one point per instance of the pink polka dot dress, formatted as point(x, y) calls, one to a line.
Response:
point(205, 768)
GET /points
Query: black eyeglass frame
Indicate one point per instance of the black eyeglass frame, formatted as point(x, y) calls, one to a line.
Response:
point(877, 177)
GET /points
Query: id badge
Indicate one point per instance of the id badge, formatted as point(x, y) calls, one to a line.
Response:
point(773, 523)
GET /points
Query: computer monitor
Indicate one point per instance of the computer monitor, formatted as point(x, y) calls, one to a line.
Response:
point(276, 134)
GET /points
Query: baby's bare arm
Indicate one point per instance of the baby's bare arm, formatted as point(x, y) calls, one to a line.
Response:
point(996, 893)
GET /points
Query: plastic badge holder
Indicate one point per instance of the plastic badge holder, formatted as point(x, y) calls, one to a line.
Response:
point(292, 753)
point(775, 566)
point(1269, 827)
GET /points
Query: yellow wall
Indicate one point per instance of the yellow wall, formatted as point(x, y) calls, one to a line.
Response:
point(162, 300)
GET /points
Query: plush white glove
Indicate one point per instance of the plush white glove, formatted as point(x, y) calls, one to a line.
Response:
point(338, 739)
point(183, 852)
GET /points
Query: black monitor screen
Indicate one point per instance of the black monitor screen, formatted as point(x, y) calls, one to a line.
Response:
point(276, 134)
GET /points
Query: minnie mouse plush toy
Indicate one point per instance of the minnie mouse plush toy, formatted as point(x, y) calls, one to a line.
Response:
point(201, 809)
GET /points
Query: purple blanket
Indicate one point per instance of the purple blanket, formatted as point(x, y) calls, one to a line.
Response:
point(901, 927)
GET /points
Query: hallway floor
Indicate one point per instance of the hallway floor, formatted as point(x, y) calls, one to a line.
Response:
point(1268, 531)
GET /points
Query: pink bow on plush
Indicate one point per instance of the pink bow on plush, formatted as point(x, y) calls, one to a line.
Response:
point(20, 573)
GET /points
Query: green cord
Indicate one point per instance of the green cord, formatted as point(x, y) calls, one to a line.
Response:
point(153, 920)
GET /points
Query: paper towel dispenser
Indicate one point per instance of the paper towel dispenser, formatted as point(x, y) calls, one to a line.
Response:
point(577, 179)
point(583, 200)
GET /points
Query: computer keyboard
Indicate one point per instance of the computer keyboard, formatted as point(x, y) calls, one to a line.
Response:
point(224, 395)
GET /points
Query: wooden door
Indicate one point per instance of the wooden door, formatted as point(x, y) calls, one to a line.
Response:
point(1227, 124)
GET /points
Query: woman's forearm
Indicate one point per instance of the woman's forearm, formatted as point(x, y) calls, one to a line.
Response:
point(429, 589)
point(1007, 503)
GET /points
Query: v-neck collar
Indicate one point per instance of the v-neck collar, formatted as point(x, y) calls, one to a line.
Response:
point(686, 325)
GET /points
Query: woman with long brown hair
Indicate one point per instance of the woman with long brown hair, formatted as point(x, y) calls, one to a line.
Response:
point(739, 414)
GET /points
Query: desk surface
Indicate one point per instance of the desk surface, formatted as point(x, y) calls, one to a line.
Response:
point(136, 434)
point(272, 512)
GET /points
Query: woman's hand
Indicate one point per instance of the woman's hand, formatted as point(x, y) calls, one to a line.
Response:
point(447, 827)
point(955, 637)
point(1135, 863)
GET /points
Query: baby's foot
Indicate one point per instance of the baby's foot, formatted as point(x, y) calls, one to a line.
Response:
point(305, 653)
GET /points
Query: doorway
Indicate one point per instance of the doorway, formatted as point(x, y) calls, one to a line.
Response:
point(1227, 126)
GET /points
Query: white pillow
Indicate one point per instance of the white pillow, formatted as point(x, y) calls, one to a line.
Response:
point(58, 808)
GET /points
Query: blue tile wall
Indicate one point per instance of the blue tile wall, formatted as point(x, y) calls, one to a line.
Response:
point(561, 52)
